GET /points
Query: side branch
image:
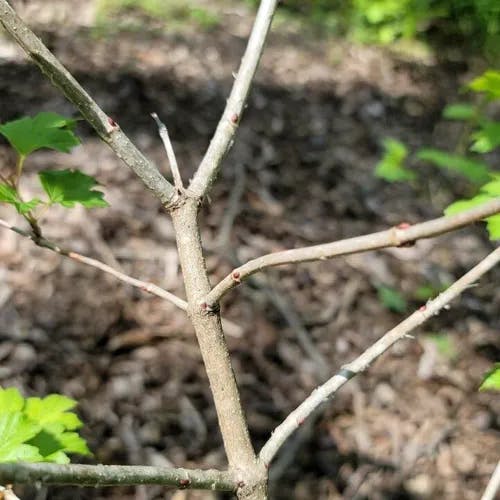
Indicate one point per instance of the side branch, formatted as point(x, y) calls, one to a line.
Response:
point(115, 475)
point(106, 127)
point(326, 391)
point(143, 285)
point(223, 137)
point(394, 237)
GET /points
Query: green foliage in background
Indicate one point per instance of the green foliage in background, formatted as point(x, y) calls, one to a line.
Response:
point(392, 299)
point(477, 22)
point(38, 429)
point(63, 187)
point(135, 15)
point(481, 135)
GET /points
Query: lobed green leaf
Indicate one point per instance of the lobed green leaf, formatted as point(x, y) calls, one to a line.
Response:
point(45, 130)
point(69, 187)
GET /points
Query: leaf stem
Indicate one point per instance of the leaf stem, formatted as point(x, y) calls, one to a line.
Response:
point(19, 169)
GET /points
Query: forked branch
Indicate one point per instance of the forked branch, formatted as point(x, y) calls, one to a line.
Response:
point(226, 129)
point(394, 237)
point(106, 127)
point(326, 391)
point(115, 475)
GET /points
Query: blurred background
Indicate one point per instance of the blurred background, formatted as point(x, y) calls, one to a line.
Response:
point(336, 80)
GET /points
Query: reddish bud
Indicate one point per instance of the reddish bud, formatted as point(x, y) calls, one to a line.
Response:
point(300, 421)
point(403, 225)
point(204, 306)
point(236, 276)
point(234, 118)
point(112, 122)
point(422, 308)
point(184, 483)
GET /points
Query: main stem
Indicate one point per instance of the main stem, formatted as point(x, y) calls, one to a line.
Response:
point(208, 328)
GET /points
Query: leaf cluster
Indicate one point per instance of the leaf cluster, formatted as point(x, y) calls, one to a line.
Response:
point(38, 429)
point(482, 135)
point(64, 187)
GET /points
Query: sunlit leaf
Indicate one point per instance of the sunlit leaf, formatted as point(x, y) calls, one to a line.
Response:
point(491, 381)
point(10, 400)
point(16, 429)
point(53, 409)
point(488, 82)
point(493, 227)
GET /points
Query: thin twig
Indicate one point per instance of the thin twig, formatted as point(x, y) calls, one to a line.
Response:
point(143, 285)
point(105, 126)
point(115, 475)
point(163, 131)
point(231, 117)
point(326, 391)
point(493, 485)
point(395, 237)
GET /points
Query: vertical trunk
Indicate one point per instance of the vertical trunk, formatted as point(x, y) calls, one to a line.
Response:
point(207, 325)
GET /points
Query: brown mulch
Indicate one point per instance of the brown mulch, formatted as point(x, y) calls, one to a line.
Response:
point(413, 427)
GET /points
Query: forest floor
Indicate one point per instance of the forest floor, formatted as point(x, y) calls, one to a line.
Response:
point(414, 426)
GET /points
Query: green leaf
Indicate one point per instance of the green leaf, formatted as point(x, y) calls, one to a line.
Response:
point(10, 195)
point(493, 187)
point(461, 205)
point(489, 83)
point(460, 111)
point(392, 299)
point(391, 167)
point(53, 409)
point(45, 130)
point(68, 187)
point(491, 381)
point(493, 227)
point(487, 138)
point(15, 430)
point(476, 171)
point(10, 400)
point(73, 443)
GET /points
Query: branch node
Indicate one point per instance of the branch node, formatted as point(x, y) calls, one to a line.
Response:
point(236, 276)
point(234, 118)
point(112, 126)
